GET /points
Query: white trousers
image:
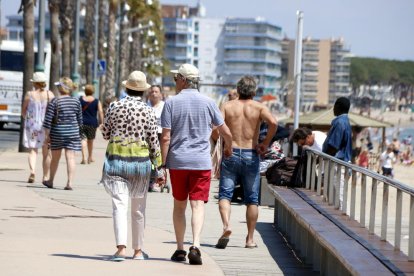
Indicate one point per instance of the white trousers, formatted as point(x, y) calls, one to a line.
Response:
point(120, 217)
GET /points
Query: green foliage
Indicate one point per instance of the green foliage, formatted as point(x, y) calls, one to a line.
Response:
point(381, 71)
point(154, 44)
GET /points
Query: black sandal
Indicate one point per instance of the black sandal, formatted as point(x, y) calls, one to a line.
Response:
point(179, 256)
point(194, 256)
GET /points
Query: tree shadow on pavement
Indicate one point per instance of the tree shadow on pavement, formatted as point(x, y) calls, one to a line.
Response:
point(74, 256)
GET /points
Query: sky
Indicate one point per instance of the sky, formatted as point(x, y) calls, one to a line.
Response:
point(370, 28)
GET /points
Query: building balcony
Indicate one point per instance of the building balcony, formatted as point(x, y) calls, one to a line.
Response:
point(251, 47)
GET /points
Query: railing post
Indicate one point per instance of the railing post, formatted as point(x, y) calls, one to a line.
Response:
point(398, 219)
point(338, 179)
point(331, 183)
point(313, 173)
point(363, 199)
point(373, 206)
point(345, 192)
point(326, 164)
point(353, 196)
point(384, 220)
point(319, 184)
point(411, 231)
point(308, 170)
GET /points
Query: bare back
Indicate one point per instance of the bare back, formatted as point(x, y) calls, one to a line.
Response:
point(243, 117)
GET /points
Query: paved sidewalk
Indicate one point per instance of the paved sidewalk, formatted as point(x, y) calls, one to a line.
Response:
point(48, 231)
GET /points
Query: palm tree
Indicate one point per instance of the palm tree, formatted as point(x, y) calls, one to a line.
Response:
point(27, 6)
point(110, 58)
point(67, 9)
point(103, 11)
point(88, 41)
point(55, 44)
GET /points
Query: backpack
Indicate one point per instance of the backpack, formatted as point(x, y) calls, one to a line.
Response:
point(280, 173)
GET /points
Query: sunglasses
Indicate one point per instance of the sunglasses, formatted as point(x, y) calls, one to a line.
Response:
point(176, 77)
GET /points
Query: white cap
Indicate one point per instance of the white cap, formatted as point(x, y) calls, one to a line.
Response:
point(39, 77)
point(136, 81)
point(188, 71)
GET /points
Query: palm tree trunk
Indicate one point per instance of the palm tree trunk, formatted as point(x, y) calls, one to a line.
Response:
point(123, 55)
point(66, 21)
point(89, 39)
point(28, 23)
point(55, 44)
point(135, 49)
point(110, 70)
point(103, 11)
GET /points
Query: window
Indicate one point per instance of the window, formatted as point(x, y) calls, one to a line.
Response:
point(196, 51)
point(196, 26)
point(195, 39)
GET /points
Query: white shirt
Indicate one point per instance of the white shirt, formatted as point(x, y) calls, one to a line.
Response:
point(158, 111)
point(387, 159)
point(319, 139)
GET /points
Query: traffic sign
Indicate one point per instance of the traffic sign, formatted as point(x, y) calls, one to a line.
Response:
point(101, 67)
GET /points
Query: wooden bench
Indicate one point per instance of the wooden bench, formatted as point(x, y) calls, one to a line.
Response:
point(318, 241)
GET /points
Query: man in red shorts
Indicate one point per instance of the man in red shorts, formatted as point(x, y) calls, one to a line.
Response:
point(187, 121)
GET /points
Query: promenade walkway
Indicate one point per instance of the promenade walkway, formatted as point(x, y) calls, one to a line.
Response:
point(52, 231)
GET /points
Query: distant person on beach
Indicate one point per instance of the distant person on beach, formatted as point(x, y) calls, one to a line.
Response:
point(363, 159)
point(34, 135)
point(243, 116)
point(130, 127)
point(303, 136)
point(396, 147)
point(187, 121)
point(387, 160)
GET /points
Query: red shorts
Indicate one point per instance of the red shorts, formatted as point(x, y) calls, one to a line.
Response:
point(192, 184)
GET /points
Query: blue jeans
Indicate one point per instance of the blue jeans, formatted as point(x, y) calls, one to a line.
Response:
point(243, 165)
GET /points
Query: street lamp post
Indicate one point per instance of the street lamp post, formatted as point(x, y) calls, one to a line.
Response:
point(95, 52)
point(40, 67)
point(75, 74)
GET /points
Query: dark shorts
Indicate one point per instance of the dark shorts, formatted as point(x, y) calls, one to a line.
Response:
point(190, 184)
point(387, 171)
point(88, 132)
point(243, 165)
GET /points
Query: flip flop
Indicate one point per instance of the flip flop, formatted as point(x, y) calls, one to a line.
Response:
point(48, 184)
point(251, 246)
point(223, 240)
point(194, 256)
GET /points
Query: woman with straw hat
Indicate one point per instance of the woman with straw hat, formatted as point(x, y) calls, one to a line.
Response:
point(33, 112)
point(62, 123)
point(131, 128)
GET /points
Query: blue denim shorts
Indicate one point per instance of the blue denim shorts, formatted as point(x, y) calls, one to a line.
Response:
point(242, 166)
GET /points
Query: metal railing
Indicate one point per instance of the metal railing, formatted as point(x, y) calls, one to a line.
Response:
point(365, 196)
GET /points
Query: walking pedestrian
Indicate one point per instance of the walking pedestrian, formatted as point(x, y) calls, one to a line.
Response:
point(387, 160)
point(91, 107)
point(33, 112)
point(155, 101)
point(187, 121)
point(243, 116)
point(131, 130)
point(62, 123)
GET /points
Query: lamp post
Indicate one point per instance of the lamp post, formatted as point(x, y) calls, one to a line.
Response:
point(75, 74)
point(95, 52)
point(297, 72)
point(40, 67)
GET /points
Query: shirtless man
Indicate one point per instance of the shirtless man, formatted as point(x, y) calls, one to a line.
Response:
point(243, 117)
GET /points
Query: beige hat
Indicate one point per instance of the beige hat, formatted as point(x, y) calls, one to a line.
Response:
point(136, 81)
point(188, 71)
point(39, 77)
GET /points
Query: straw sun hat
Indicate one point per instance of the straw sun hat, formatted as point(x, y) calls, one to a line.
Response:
point(39, 77)
point(136, 81)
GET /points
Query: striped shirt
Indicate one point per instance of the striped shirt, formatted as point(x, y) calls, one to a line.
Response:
point(190, 116)
point(69, 111)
